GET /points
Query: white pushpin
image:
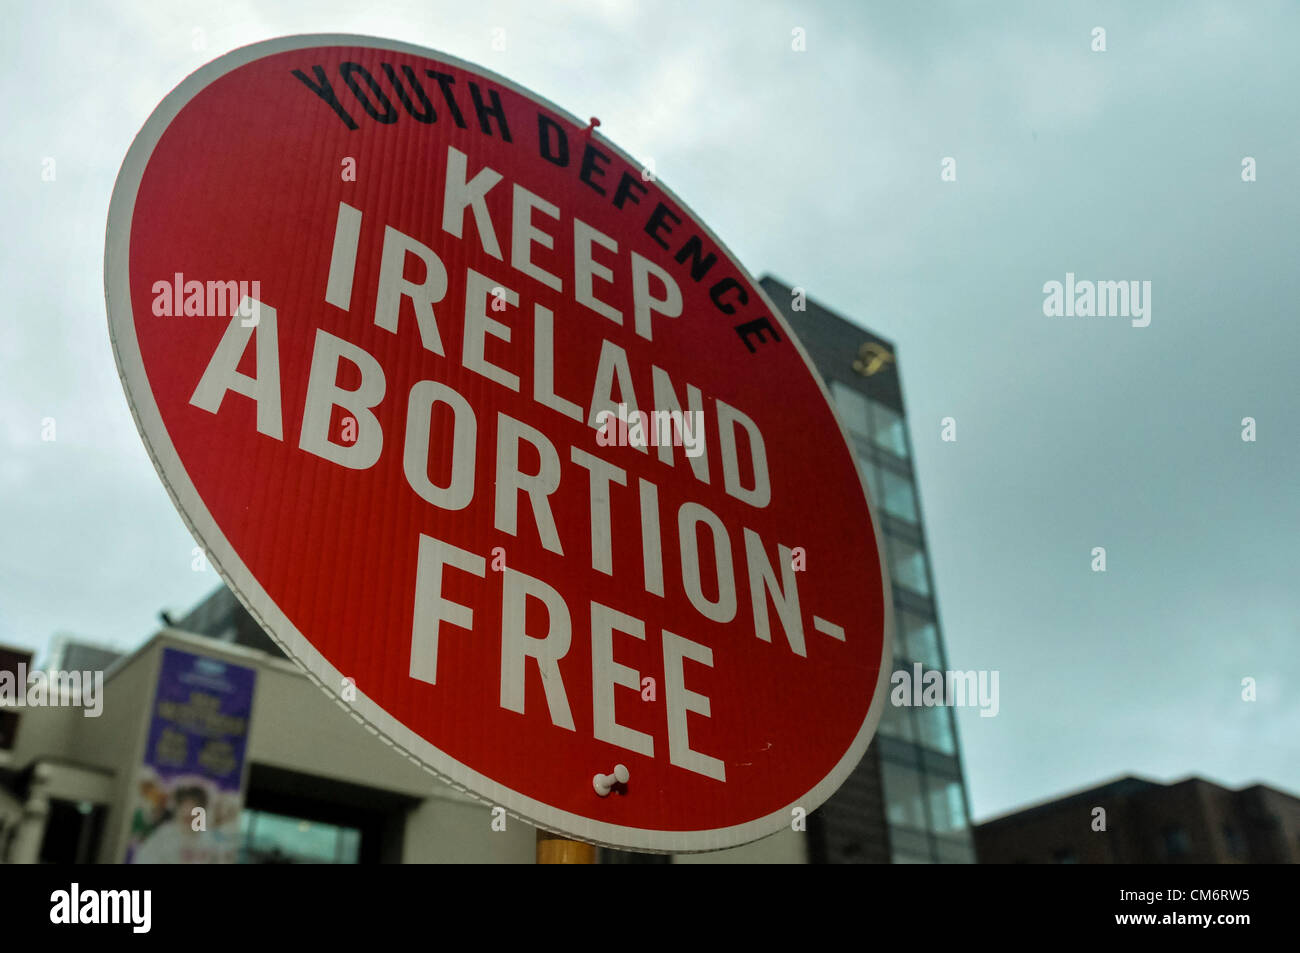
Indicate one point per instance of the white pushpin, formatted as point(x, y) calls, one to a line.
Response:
point(604, 783)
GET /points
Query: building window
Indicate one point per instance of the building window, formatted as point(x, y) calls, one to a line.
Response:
point(905, 858)
point(907, 846)
point(920, 639)
point(275, 839)
point(853, 408)
point(903, 795)
point(887, 430)
point(870, 420)
point(901, 658)
point(72, 832)
point(955, 851)
point(872, 476)
point(897, 723)
point(907, 566)
point(947, 806)
point(1176, 842)
point(899, 498)
point(934, 728)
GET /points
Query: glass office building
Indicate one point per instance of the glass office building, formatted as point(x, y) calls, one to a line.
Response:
point(906, 802)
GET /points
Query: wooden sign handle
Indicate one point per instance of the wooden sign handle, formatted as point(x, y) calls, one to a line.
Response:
point(557, 849)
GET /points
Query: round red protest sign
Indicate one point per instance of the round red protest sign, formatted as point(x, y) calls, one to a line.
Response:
point(498, 441)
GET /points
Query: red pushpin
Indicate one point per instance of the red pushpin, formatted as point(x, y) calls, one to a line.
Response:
point(590, 126)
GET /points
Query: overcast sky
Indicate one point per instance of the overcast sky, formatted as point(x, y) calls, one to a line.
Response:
point(823, 167)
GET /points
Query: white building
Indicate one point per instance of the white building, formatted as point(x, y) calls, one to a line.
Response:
point(319, 786)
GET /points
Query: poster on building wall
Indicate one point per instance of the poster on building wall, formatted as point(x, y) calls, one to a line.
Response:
point(190, 788)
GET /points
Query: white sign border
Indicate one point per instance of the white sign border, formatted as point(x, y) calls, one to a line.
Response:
point(268, 615)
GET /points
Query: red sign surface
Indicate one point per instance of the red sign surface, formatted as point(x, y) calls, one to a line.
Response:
point(405, 343)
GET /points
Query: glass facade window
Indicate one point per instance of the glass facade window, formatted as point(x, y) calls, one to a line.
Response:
point(872, 476)
point(901, 658)
point(920, 639)
point(854, 408)
point(870, 420)
point(934, 728)
point(907, 566)
point(896, 721)
point(887, 430)
point(275, 839)
point(947, 807)
point(954, 851)
point(902, 857)
point(911, 844)
point(899, 498)
point(904, 795)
